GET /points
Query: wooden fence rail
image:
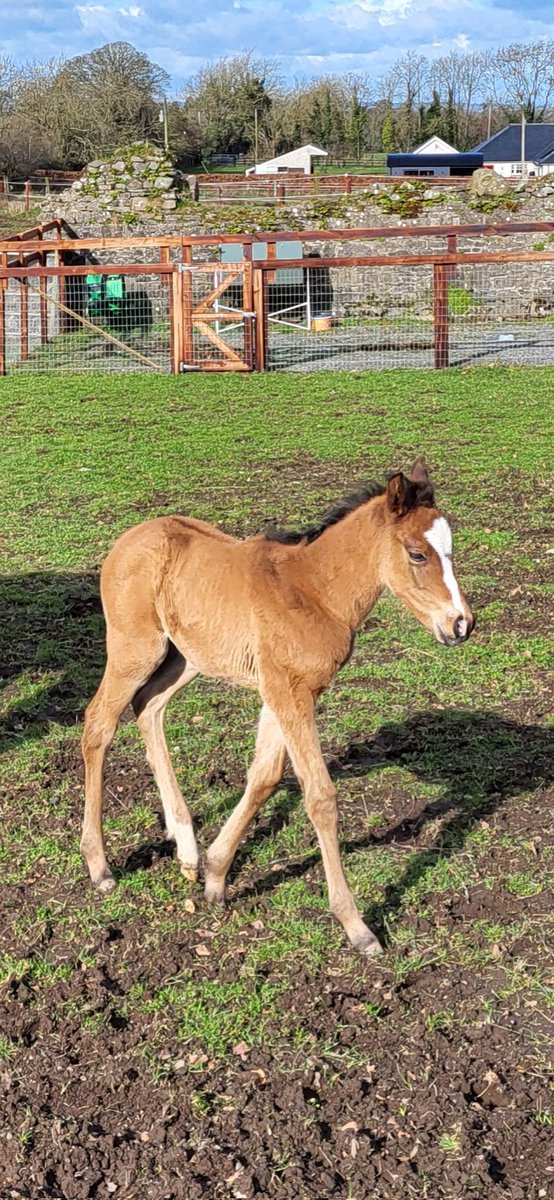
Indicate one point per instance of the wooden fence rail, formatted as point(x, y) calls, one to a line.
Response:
point(81, 245)
point(22, 259)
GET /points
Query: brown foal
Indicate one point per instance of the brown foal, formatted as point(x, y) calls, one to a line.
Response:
point(277, 613)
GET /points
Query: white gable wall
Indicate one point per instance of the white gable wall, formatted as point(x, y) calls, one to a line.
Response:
point(510, 170)
point(296, 160)
point(436, 145)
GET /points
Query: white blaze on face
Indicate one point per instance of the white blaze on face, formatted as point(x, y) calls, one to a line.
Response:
point(439, 537)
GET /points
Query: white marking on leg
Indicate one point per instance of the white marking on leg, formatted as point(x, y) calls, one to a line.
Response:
point(187, 850)
point(439, 537)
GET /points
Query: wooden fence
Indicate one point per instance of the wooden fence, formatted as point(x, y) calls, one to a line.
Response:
point(196, 285)
point(291, 185)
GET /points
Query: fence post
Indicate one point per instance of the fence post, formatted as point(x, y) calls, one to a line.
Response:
point(188, 329)
point(27, 194)
point(440, 307)
point(280, 193)
point(452, 248)
point(3, 286)
point(248, 304)
point(176, 321)
point(24, 320)
point(347, 185)
point(260, 309)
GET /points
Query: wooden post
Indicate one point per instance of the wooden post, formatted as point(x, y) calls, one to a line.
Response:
point(271, 253)
point(43, 299)
point(24, 320)
point(440, 285)
point(188, 330)
point(59, 261)
point(27, 194)
point(260, 309)
point(347, 185)
point(165, 258)
point(176, 317)
point(452, 248)
point(248, 305)
point(43, 306)
point(3, 286)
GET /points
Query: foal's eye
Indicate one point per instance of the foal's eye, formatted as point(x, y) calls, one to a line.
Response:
point(416, 557)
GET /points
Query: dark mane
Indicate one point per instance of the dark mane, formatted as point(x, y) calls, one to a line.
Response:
point(363, 493)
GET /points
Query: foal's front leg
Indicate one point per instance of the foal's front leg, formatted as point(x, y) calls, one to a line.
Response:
point(296, 716)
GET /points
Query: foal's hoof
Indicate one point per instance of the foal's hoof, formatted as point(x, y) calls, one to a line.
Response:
point(105, 885)
point(368, 945)
point(190, 873)
point(214, 893)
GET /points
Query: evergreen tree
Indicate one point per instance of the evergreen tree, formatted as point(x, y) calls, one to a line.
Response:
point(388, 132)
point(432, 123)
point(356, 126)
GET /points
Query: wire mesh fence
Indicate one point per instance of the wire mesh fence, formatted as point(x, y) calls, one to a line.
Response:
point(381, 317)
point(235, 303)
point(87, 323)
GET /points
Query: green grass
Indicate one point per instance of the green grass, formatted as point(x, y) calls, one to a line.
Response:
point(85, 458)
point(13, 218)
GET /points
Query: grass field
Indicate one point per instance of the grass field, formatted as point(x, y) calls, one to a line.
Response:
point(151, 1049)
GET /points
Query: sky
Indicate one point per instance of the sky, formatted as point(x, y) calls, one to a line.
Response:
point(307, 37)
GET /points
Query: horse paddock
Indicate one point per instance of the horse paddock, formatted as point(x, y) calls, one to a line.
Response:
point(152, 1048)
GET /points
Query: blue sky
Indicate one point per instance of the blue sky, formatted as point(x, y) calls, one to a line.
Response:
point(308, 37)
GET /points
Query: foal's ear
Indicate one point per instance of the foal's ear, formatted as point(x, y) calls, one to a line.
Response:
point(419, 473)
point(420, 476)
point(401, 494)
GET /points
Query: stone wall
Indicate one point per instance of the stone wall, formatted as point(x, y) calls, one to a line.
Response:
point(139, 180)
point(141, 195)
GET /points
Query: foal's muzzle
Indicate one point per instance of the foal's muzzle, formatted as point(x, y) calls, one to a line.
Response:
point(462, 628)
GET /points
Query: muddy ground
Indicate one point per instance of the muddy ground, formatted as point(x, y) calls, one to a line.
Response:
point(424, 1077)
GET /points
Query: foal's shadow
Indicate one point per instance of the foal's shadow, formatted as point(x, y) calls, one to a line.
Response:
point(479, 758)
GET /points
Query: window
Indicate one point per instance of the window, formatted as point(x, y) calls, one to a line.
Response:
point(516, 168)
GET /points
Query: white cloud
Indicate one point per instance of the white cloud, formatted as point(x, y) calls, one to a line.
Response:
point(308, 37)
point(387, 12)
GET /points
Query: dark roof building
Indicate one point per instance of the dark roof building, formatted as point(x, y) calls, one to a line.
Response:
point(422, 164)
point(531, 144)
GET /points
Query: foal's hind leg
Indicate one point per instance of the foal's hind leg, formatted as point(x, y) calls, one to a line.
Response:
point(263, 777)
point(149, 705)
point(116, 690)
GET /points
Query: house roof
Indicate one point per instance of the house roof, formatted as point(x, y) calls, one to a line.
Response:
point(436, 160)
point(505, 146)
point(313, 151)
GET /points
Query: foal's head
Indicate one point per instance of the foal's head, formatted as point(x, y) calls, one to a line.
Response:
point(418, 558)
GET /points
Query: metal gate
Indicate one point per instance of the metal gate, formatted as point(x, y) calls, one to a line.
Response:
point(218, 318)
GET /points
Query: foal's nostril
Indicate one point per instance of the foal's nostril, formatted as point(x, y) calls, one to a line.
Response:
point(461, 628)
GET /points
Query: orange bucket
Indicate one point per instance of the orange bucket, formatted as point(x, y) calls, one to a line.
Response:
point(321, 323)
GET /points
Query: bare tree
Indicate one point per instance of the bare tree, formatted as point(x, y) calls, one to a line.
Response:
point(112, 97)
point(406, 86)
point(521, 78)
point(230, 100)
point(461, 78)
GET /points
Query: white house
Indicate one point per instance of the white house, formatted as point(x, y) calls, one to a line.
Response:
point(300, 160)
point(435, 145)
point(520, 149)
